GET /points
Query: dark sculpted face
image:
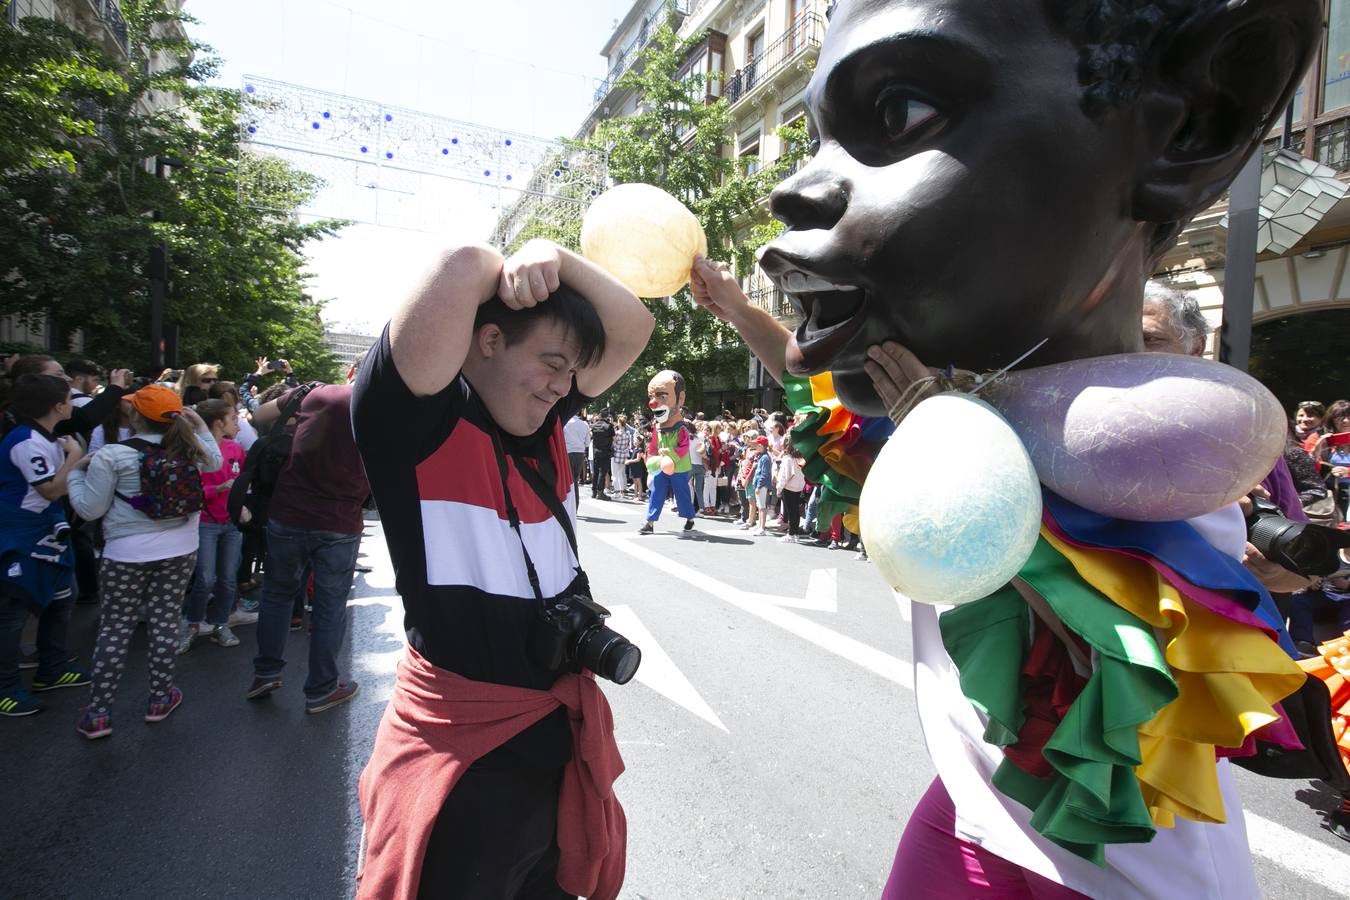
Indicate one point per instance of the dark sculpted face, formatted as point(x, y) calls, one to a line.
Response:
point(960, 202)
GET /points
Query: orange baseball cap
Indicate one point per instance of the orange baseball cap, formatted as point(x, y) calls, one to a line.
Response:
point(157, 403)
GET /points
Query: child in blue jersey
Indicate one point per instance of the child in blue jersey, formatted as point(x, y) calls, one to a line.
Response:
point(36, 562)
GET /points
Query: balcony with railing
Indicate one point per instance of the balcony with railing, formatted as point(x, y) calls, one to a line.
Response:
point(773, 301)
point(629, 55)
point(109, 13)
point(801, 39)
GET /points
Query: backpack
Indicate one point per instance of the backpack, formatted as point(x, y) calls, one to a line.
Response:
point(266, 459)
point(171, 487)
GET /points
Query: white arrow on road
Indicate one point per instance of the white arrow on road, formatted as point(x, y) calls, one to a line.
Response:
point(658, 671)
point(771, 610)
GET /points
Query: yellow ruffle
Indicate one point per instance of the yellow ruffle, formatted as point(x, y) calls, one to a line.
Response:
point(1228, 676)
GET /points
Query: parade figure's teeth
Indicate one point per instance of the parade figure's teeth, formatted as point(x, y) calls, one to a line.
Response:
point(802, 283)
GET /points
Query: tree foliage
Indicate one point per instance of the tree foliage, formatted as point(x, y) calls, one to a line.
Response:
point(676, 141)
point(81, 205)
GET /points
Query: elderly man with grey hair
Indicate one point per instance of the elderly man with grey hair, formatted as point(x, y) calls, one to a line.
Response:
point(1173, 322)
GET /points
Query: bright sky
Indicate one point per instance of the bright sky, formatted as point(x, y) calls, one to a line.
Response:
point(517, 65)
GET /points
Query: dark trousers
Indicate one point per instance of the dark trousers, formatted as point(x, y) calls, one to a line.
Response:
point(332, 555)
point(51, 638)
point(496, 836)
point(792, 510)
point(599, 473)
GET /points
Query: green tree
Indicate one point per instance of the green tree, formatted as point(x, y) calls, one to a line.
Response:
point(81, 205)
point(676, 141)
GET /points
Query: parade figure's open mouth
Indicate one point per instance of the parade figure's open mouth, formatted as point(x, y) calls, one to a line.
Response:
point(832, 313)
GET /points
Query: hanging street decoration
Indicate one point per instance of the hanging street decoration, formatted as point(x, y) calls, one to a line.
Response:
point(384, 165)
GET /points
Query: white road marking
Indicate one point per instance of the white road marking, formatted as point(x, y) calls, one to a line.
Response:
point(658, 671)
point(889, 667)
point(1306, 858)
point(822, 593)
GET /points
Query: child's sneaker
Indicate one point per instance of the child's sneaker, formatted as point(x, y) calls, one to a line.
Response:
point(69, 676)
point(19, 702)
point(158, 712)
point(248, 604)
point(223, 636)
point(93, 727)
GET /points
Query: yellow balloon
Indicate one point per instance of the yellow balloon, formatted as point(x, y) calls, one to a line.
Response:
point(644, 237)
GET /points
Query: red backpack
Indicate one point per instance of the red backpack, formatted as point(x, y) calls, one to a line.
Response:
point(171, 487)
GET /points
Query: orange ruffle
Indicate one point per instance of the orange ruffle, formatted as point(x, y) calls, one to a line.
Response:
point(1332, 668)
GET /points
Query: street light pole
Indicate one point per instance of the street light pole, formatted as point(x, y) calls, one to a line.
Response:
point(1239, 277)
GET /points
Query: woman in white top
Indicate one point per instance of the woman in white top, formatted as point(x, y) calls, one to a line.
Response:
point(146, 558)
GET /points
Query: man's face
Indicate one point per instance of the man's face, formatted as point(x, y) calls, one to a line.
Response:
point(960, 201)
point(521, 382)
point(1161, 337)
point(661, 397)
point(86, 384)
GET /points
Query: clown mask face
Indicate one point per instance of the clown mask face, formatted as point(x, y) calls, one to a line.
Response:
point(665, 396)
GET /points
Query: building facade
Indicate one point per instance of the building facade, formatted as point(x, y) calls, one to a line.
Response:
point(347, 346)
point(1312, 275)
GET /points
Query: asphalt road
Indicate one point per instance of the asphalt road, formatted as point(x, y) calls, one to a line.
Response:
point(770, 739)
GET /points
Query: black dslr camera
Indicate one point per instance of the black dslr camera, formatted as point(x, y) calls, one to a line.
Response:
point(570, 634)
point(1308, 550)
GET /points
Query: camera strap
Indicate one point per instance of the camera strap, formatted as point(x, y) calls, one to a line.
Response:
point(555, 507)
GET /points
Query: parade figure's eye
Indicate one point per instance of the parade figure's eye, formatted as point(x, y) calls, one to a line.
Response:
point(901, 115)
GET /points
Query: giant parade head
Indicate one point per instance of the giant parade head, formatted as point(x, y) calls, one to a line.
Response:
point(991, 184)
point(665, 397)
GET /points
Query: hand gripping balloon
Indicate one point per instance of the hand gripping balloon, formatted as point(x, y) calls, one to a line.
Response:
point(644, 237)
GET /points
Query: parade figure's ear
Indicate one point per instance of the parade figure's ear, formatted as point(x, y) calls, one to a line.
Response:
point(1213, 93)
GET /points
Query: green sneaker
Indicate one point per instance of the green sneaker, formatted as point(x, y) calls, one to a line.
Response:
point(67, 677)
point(19, 703)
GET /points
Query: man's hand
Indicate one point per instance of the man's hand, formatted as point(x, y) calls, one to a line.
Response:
point(120, 378)
point(715, 289)
point(1340, 471)
point(224, 486)
point(530, 274)
point(1276, 578)
point(166, 375)
point(286, 366)
point(1245, 502)
point(82, 463)
point(262, 367)
point(72, 449)
point(893, 369)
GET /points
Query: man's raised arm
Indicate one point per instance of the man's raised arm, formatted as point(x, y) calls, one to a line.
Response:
point(715, 289)
point(430, 334)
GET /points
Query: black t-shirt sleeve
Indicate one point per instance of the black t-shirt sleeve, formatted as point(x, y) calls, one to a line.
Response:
point(390, 421)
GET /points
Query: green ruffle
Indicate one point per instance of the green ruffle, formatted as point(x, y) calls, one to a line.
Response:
point(1093, 799)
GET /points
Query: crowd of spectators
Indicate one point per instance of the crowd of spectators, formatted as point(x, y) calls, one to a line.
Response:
point(120, 492)
point(745, 471)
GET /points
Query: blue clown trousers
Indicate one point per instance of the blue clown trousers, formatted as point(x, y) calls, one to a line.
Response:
point(662, 485)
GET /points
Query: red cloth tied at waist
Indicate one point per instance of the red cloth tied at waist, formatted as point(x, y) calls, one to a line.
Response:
point(436, 725)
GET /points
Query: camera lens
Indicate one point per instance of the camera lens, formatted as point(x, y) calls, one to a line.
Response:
point(608, 654)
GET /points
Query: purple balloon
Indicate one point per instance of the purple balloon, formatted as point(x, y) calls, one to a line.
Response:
point(1153, 437)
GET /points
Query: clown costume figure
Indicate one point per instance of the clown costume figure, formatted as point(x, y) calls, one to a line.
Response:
point(668, 460)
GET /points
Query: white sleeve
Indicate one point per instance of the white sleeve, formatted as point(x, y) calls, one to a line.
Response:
point(37, 459)
point(97, 439)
